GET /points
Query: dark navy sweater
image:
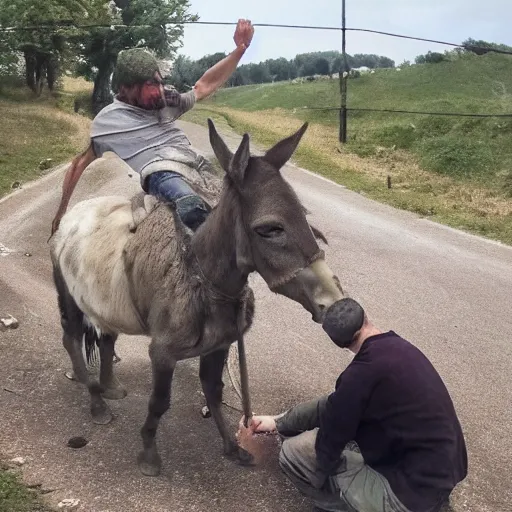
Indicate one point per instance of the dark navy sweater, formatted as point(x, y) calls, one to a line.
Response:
point(394, 404)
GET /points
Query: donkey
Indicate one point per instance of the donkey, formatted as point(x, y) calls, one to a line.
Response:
point(188, 292)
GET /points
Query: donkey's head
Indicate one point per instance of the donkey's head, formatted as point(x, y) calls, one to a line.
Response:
point(272, 234)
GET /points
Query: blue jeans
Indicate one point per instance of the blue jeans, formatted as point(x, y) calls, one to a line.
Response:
point(170, 186)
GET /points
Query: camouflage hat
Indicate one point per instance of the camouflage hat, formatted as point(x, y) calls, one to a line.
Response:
point(134, 66)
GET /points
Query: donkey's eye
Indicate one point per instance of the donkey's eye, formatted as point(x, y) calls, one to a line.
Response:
point(269, 231)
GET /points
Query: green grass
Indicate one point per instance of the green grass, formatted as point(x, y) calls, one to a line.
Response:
point(34, 129)
point(16, 497)
point(454, 170)
point(472, 84)
point(484, 212)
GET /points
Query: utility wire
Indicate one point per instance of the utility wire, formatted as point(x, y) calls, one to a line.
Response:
point(467, 46)
point(355, 109)
point(312, 27)
point(273, 25)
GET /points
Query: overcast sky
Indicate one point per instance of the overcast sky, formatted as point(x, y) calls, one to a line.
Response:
point(446, 20)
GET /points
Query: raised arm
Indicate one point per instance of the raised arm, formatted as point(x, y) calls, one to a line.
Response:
point(77, 167)
point(218, 74)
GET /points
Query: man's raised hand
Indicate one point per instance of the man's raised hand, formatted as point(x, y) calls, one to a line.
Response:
point(243, 34)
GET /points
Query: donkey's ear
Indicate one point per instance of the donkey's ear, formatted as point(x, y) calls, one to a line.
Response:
point(283, 150)
point(318, 234)
point(240, 161)
point(219, 147)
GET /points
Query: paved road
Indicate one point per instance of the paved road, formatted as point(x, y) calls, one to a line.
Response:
point(448, 292)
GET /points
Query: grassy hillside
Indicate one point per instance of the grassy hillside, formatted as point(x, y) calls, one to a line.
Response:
point(469, 147)
point(455, 170)
point(35, 129)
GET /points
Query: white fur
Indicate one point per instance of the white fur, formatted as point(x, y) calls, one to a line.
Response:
point(91, 262)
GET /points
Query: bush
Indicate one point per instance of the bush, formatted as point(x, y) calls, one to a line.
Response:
point(456, 157)
point(469, 126)
point(401, 136)
point(362, 149)
point(430, 58)
point(434, 126)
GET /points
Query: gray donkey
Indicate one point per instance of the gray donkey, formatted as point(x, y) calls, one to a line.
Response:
point(189, 293)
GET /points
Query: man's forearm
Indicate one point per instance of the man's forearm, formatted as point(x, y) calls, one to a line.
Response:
point(77, 167)
point(218, 74)
point(302, 417)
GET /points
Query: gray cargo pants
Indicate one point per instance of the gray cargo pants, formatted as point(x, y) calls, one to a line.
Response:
point(354, 488)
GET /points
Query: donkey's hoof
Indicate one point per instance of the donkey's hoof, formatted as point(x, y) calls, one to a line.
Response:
point(101, 414)
point(235, 452)
point(150, 464)
point(244, 458)
point(117, 393)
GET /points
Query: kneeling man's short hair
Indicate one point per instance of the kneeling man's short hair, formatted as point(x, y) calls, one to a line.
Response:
point(342, 320)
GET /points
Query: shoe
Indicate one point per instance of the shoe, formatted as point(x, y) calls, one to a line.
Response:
point(192, 211)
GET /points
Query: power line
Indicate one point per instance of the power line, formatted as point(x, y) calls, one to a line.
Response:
point(459, 114)
point(69, 25)
point(419, 112)
point(467, 46)
point(272, 25)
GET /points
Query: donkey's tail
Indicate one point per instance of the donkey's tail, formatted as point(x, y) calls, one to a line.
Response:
point(91, 338)
point(76, 324)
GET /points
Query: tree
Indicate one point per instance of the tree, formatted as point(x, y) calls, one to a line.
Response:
point(153, 24)
point(281, 69)
point(308, 68)
point(43, 49)
point(336, 66)
point(430, 58)
point(385, 62)
point(322, 66)
point(184, 73)
point(478, 46)
point(258, 73)
point(236, 79)
point(208, 61)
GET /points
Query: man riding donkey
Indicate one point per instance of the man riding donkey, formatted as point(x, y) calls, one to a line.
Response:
point(139, 127)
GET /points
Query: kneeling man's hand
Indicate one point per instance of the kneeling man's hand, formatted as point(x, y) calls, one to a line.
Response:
point(260, 424)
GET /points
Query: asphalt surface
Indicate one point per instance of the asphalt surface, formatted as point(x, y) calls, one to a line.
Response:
point(449, 293)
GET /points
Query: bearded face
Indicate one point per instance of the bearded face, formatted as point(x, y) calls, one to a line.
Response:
point(151, 95)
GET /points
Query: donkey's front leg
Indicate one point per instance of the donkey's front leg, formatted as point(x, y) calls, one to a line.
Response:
point(163, 366)
point(210, 373)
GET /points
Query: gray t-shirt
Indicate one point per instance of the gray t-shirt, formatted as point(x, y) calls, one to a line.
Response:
point(147, 140)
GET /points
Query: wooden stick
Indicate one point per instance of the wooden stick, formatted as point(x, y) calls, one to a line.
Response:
point(244, 381)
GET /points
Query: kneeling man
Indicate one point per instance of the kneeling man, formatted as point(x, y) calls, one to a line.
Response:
point(386, 440)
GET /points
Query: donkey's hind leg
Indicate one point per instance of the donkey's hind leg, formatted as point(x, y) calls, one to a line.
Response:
point(210, 372)
point(72, 320)
point(112, 388)
point(100, 412)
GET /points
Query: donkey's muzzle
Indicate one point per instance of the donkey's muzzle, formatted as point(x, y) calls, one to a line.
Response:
point(315, 287)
